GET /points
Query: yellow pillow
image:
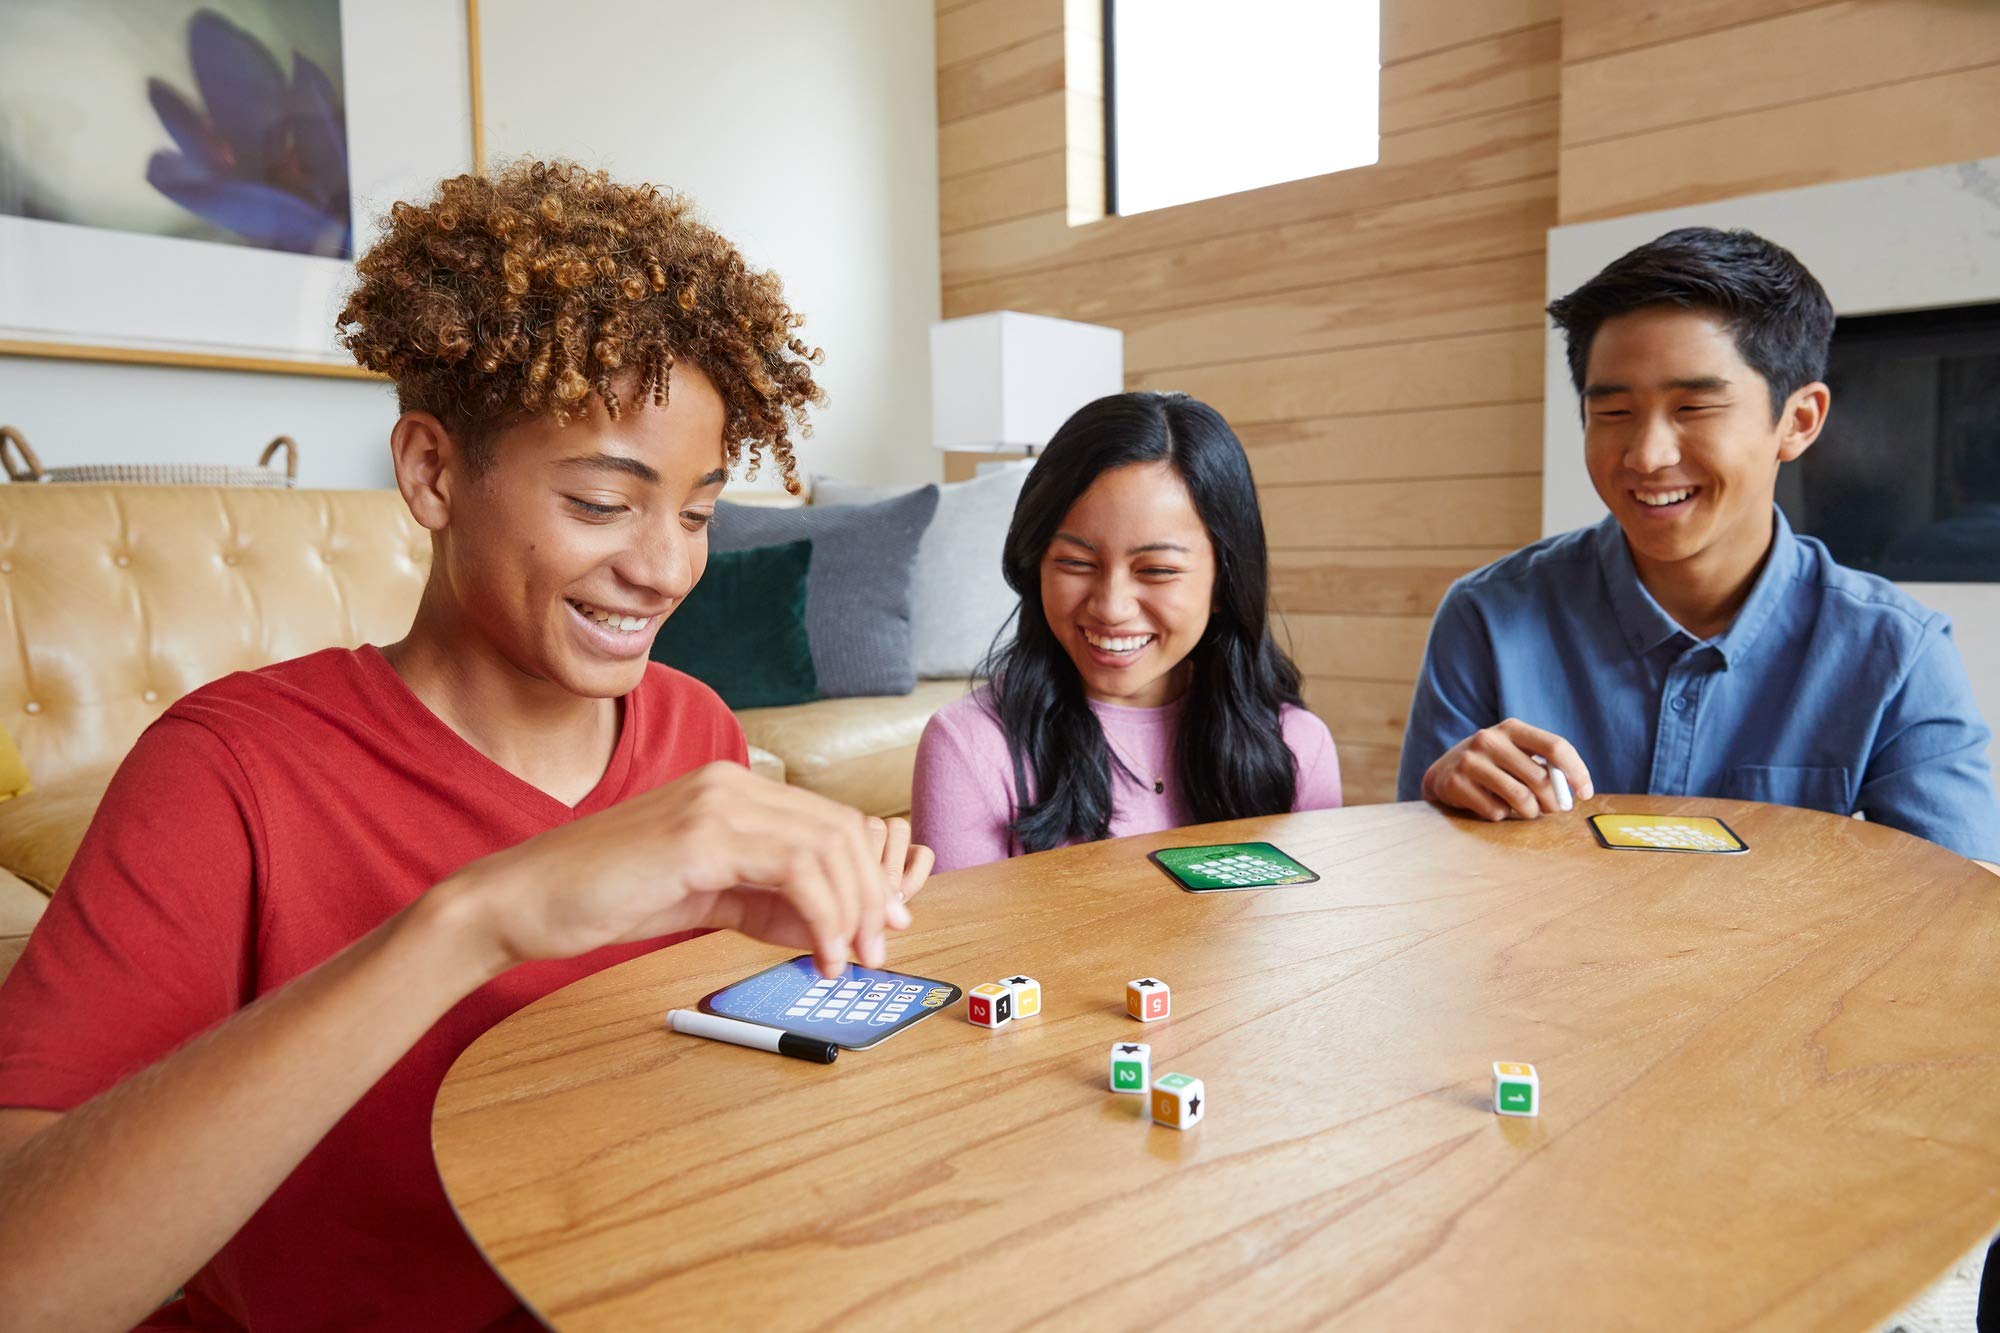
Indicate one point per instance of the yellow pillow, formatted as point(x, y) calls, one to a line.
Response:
point(13, 773)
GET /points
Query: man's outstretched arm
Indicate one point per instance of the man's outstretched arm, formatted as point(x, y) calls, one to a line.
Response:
point(181, 1154)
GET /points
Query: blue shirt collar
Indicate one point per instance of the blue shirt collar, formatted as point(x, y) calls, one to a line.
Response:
point(1642, 622)
point(1645, 625)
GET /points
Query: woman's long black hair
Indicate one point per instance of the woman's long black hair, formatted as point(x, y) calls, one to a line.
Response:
point(1231, 759)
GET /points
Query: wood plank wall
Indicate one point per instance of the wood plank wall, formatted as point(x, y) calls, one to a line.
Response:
point(1670, 104)
point(1375, 335)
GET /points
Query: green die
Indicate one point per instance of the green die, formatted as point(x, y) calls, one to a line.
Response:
point(1131, 1067)
point(1517, 1089)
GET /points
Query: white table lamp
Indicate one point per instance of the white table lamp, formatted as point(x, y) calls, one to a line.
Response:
point(1004, 381)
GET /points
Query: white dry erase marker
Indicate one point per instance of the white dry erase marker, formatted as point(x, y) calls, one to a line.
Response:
point(1564, 801)
point(754, 1035)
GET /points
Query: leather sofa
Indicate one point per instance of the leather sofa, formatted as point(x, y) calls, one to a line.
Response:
point(117, 600)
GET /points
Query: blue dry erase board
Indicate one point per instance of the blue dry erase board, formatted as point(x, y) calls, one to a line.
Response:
point(863, 1007)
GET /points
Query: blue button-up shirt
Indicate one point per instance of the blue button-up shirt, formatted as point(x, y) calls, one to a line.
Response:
point(1831, 689)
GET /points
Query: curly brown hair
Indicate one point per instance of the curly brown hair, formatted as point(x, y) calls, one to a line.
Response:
point(520, 295)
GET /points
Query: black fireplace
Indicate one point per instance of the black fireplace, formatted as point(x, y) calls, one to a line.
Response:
point(1905, 480)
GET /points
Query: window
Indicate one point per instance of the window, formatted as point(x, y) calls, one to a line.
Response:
point(1205, 99)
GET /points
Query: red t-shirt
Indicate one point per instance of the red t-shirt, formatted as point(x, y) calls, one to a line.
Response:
point(262, 824)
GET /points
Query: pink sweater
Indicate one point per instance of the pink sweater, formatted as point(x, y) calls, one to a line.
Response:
point(963, 799)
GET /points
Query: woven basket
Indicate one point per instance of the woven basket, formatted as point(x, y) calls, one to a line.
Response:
point(22, 465)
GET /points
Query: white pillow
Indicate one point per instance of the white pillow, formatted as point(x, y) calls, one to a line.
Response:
point(958, 597)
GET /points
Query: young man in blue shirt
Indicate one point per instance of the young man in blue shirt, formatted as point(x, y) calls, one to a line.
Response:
point(1690, 643)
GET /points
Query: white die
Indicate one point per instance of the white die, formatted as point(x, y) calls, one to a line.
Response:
point(1134, 1060)
point(989, 1006)
point(1027, 993)
point(1148, 998)
point(1517, 1089)
point(1179, 1101)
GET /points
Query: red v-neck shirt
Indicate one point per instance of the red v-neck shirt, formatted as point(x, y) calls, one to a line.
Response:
point(265, 822)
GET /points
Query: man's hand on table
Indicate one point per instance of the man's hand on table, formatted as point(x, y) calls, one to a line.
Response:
point(1494, 774)
point(719, 848)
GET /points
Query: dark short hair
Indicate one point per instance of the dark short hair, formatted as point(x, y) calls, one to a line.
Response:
point(1775, 308)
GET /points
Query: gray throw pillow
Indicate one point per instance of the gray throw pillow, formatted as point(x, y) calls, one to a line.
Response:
point(959, 599)
point(858, 589)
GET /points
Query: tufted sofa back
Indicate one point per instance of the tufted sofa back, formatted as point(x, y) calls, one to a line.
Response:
point(117, 600)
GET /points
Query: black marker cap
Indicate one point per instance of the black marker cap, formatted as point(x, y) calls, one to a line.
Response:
point(807, 1048)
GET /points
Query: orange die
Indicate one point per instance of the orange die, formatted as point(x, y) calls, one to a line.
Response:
point(1148, 999)
point(1179, 1101)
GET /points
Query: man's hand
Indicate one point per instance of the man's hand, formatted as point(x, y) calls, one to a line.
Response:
point(185, 1151)
point(1493, 772)
point(720, 847)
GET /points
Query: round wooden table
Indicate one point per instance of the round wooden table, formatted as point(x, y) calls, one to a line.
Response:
point(1771, 1091)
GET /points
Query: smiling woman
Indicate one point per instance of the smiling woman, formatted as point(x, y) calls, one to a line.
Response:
point(1142, 689)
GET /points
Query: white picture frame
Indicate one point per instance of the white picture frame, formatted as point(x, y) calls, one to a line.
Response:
point(412, 116)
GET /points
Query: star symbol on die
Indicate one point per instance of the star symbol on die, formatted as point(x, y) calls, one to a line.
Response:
point(1194, 1106)
point(1017, 981)
point(1128, 1050)
point(1149, 982)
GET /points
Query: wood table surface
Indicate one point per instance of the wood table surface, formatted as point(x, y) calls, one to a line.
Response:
point(1771, 1089)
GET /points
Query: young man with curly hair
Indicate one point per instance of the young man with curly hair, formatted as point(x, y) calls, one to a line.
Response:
point(311, 886)
point(1691, 644)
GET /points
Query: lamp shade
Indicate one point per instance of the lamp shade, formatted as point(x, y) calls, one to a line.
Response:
point(1005, 381)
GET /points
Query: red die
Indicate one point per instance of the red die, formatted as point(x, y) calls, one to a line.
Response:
point(988, 1006)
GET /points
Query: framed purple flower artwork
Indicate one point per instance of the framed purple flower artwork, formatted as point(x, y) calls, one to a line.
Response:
point(186, 181)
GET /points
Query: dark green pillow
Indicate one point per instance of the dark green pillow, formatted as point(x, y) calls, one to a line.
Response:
point(742, 631)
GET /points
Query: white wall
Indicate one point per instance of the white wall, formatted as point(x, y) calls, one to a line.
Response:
point(1907, 241)
point(804, 131)
point(807, 133)
point(84, 412)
